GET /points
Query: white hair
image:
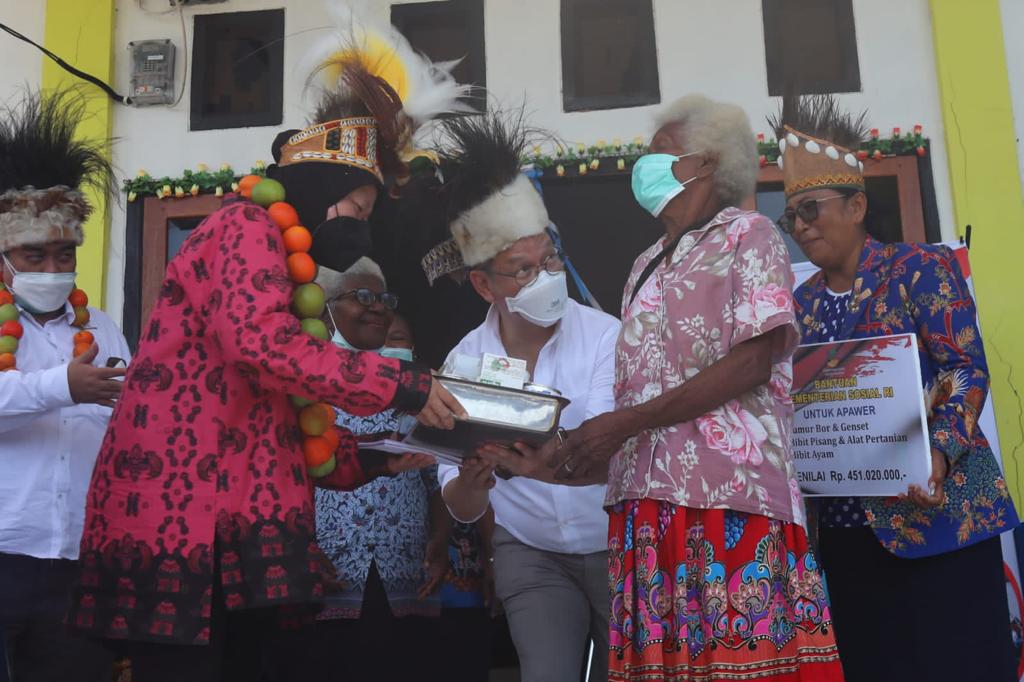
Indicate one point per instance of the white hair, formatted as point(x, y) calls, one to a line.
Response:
point(724, 131)
point(333, 282)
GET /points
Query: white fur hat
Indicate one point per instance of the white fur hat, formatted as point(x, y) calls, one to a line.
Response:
point(511, 213)
point(491, 202)
point(38, 216)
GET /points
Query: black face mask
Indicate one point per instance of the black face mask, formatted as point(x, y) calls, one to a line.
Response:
point(339, 242)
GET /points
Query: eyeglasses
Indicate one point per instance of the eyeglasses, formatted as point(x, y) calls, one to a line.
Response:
point(367, 298)
point(807, 212)
point(526, 275)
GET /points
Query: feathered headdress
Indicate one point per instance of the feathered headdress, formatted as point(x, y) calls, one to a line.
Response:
point(817, 141)
point(368, 68)
point(490, 203)
point(426, 89)
point(42, 168)
point(373, 91)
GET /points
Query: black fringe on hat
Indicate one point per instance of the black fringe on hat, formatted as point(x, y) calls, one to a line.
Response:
point(480, 155)
point(820, 116)
point(38, 147)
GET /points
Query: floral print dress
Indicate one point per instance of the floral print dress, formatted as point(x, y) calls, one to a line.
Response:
point(710, 572)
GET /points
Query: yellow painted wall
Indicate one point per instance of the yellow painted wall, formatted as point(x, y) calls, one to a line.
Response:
point(980, 140)
point(82, 34)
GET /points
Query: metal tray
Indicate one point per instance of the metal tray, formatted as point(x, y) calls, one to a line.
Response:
point(496, 415)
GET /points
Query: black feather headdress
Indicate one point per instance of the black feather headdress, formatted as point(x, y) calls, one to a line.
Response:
point(489, 202)
point(38, 146)
point(820, 116)
point(43, 165)
point(817, 145)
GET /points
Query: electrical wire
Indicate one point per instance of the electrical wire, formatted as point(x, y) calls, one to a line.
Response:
point(184, 53)
point(116, 96)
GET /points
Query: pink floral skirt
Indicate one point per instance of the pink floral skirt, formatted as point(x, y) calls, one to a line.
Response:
point(702, 595)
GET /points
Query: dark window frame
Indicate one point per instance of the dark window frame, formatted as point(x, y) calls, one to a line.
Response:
point(775, 35)
point(146, 254)
point(206, 30)
point(404, 15)
point(571, 99)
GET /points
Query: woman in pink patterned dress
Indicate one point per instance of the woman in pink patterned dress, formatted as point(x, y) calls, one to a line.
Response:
point(199, 519)
point(710, 571)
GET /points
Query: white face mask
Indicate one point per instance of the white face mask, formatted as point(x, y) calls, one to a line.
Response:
point(543, 301)
point(41, 292)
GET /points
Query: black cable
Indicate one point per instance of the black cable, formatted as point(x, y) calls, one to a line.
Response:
point(114, 95)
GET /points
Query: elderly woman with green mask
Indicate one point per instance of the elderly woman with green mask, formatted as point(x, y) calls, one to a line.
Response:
point(711, 574)
point(388, 540)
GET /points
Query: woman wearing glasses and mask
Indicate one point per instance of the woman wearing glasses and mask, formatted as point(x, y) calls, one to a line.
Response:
point(387, 541)
point(710, 570)
point(917, 581)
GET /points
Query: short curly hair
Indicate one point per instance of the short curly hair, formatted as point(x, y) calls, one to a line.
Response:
point(723, 130)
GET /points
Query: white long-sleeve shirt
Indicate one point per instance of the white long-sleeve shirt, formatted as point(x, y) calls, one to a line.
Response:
point(579, 361)
point(48, 444)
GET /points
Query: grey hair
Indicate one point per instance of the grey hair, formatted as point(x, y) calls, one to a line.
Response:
point(333, 282)
point(723, 130)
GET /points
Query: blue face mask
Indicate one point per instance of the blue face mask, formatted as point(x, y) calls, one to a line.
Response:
point(654, 184)
point(387, 351)
point(393, 352)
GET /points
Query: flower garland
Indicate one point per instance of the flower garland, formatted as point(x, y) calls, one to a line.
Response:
point(11, 329)
point(321, 437)
point(189, 183)
point(617, 157)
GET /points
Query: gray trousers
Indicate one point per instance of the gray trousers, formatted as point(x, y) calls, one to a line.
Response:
point(555, 603)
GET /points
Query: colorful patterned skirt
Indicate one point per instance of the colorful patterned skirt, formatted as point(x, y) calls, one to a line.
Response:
point(702, 595)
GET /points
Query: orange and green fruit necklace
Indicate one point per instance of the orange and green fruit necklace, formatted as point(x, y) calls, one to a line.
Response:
point(320, 436)
point(11, 329)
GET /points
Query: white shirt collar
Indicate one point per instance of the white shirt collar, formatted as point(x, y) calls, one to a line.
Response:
point(68, 316)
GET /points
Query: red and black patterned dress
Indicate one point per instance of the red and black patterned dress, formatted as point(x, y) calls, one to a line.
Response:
point(203, 445)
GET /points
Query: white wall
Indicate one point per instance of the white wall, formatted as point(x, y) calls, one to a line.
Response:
point(21, 63)
point(705, 46)
point(1013, 25)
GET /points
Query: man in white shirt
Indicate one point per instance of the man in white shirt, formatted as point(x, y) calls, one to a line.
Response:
point(550, 559)
point(54, 405)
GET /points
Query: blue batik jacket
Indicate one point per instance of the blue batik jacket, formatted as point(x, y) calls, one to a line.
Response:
point(920, 289)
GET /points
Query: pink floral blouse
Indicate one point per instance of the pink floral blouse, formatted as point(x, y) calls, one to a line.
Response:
point(726, 283)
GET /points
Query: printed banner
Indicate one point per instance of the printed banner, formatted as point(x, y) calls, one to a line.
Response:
point(860, 426)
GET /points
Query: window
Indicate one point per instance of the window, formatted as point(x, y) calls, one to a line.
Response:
point(445, 31)
point(237, 70)
point(156, 230)
point(810, 45)
point(609, 55)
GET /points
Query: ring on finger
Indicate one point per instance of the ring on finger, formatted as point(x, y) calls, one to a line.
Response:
point(561, 436)
point(565, 465)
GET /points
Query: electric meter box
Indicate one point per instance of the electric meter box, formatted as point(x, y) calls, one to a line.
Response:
point(152, 72)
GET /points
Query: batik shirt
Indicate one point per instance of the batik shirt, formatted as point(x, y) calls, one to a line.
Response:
point(724, 284)
point(385, 522)
point(920, 289)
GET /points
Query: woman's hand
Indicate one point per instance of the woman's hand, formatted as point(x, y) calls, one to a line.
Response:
point(407, 461)
point(441, 409)
point(586, 450)
point(519, 459)
point(937, 497)
point(476, 474)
